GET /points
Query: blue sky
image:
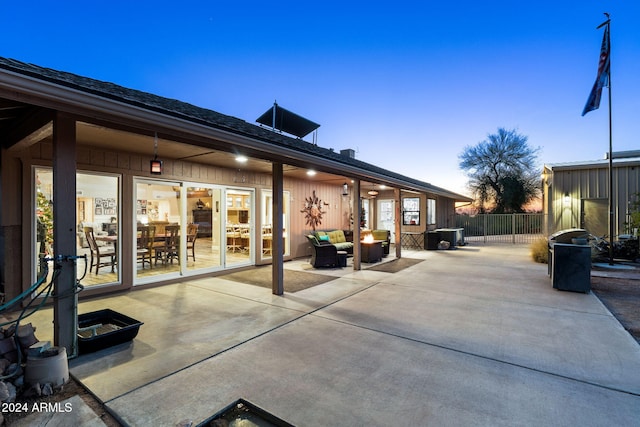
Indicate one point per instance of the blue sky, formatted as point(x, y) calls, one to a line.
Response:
point(406, 84)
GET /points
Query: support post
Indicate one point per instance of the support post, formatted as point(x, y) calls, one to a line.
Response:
point(398, 222)
point(277, 242)
point(65, 308)
point(357, 211)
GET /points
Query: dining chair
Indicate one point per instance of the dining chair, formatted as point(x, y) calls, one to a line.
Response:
point(245, 237)
point(233, 237)
point(192, 235)
point(144, 247)
point(169, 249)
point(267, 239)
point(98, 253)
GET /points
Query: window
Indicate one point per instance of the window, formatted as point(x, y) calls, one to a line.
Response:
point(97, 226)
point(431, 211)
point(411, 211)
point(364, 214)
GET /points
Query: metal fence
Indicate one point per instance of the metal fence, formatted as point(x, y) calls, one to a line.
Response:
point(503, 228)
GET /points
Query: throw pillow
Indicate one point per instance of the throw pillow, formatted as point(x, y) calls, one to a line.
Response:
point(324, 238)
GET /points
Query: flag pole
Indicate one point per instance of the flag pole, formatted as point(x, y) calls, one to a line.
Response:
point(593, 102)
point(611, 194)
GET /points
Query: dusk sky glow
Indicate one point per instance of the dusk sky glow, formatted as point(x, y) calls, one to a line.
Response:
point(406, 84)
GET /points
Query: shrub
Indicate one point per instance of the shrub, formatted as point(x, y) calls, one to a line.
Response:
point(540, 250)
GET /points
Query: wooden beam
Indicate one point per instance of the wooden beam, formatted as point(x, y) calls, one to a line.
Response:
point(357, 212)
point(34, 125)
point(398, 224)
point(65, 308)
point(277, 243)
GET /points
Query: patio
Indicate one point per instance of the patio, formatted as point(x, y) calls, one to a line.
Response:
point(473, 336)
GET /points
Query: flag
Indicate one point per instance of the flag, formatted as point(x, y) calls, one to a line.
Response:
point(602, 80)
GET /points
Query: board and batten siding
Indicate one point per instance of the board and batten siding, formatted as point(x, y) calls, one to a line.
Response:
point(591, 182)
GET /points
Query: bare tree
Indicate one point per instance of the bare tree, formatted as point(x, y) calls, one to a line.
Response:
point(502, 172)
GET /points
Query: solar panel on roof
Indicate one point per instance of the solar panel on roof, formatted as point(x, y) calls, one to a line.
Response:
point(286, 121)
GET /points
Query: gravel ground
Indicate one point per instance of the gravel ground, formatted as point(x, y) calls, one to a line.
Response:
point(621, 295)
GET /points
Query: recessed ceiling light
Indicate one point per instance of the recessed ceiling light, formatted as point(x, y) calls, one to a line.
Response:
point(241, 159)
point(311, 172)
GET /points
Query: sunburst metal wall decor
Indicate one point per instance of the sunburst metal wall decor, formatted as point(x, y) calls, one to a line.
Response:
point(313, 210)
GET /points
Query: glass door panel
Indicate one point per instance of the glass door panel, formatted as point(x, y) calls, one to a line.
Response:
point(238, 227)
point(386, 216)
point(97, 224)
point(203, 230)
point(158, 212)
point(267, 222)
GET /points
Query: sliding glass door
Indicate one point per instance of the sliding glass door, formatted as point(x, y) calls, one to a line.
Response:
point(239, 226)
point(97, 224)
point(158, 233)
point(267, 222)
point(203, 239)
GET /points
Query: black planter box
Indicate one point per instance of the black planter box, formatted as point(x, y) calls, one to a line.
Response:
point(105, 328)
point(244, 413)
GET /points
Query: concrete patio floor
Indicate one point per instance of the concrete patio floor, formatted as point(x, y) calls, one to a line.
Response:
point(473, 336)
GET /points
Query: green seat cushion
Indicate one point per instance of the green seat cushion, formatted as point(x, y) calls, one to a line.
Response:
point(380, 234)
point(337, 236)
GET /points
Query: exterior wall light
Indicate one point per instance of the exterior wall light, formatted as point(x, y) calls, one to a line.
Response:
point(566, 200)
point(155, 165)
point(345, 189)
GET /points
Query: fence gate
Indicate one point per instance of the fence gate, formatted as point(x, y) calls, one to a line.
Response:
point(504, 228)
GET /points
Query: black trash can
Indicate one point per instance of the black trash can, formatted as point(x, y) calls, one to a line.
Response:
point(563, 236)
point(571, 267)
point(431, 240)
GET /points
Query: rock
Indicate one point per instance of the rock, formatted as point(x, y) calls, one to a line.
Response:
point(33, 391)
point(47, 389)
point(26, 335)
point(444, 245)
point(10, 331)
point(12, 393)
point(8, 349)
point(4, 364)
point(36, 349)
point(4, 391)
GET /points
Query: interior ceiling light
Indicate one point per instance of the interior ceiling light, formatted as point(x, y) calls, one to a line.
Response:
point(155, 165)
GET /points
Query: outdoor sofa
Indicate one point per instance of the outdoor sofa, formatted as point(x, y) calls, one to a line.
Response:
point(337, 238)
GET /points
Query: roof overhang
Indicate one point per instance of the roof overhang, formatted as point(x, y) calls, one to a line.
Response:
point(93, 106)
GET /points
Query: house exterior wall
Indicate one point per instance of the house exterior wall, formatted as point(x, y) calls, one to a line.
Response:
point(18, 185)
point(565, 189)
